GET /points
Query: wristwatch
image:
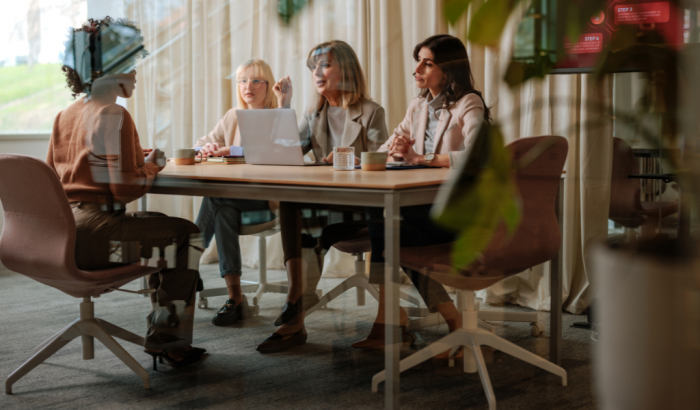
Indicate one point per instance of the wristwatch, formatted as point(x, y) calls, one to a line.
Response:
point(429, 158)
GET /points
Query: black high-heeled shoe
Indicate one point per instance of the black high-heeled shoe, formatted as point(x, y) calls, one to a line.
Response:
point(193, 355)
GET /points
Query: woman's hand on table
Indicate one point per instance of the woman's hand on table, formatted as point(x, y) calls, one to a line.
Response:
point(283, 91)
point(329, 159)
point(212, 149)
point(402, 147)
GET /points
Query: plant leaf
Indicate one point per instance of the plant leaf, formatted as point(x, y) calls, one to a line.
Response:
point(486, 26)
point(286, 9)
point(478, 212)
point(453, 9)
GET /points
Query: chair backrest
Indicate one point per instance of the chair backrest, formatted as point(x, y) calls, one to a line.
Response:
point(38, 237)
point(625, 203)
point(537, 239)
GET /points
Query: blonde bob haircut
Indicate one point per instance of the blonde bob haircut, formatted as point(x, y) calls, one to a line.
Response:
point(353, 86)
point(262, 72)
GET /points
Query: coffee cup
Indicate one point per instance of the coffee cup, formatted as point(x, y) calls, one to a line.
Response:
point(373, 161)
point(184, 156)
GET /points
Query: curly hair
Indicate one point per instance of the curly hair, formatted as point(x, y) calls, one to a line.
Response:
point(73, 81)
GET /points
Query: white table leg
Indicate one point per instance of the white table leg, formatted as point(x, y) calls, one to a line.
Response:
point(391, 284)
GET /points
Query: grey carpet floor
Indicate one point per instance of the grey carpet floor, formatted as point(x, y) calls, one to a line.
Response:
point(325, 373)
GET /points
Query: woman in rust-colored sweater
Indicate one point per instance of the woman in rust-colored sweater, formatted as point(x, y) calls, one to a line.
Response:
point(95, 151)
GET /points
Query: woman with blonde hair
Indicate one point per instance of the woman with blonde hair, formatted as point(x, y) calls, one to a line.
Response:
point(221, 217)
point(341, 114)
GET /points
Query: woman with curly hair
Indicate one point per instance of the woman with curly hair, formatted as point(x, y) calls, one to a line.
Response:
point(95, 151)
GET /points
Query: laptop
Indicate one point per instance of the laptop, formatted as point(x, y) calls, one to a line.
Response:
point(271, 137)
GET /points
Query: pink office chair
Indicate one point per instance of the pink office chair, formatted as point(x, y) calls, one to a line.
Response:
point(38, 241)
point(536, 240)
point(626, 207)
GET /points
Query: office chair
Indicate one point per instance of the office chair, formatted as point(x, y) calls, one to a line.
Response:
point(38, 241)
point(535, 241)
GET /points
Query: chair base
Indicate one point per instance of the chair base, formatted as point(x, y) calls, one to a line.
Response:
point(87, 328)
point(360, 281)
point(470, 337)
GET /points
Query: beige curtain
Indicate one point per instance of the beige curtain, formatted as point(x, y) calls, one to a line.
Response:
point(186, 85)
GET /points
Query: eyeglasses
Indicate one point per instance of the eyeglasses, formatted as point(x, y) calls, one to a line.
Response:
point(255, 83)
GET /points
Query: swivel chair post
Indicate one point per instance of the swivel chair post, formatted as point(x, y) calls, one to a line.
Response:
point(87, 312)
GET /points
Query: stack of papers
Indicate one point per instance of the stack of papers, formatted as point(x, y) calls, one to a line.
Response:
point(228, 159)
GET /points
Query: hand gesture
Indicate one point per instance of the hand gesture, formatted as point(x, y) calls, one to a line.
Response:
point(147, 151)
point(402, 147)
point(283, 91)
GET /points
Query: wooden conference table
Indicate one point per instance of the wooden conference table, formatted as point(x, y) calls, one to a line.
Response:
point(324, 185)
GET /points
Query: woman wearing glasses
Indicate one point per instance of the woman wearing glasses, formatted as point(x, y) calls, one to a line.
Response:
point(221, 217)
point(341, 114)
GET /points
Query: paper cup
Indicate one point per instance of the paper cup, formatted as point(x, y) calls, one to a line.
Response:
point(373, 161)
point(184, 156)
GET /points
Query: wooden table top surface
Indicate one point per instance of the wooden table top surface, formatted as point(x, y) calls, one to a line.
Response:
point(308, 176)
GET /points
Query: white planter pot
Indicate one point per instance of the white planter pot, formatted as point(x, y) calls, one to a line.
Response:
point(649, 329)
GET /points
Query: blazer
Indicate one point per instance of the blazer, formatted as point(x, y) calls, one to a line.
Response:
point(365, 129)
point(457, 125)
point(226, 132)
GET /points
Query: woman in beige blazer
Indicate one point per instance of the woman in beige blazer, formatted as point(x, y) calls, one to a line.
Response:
point(439, 124)
point(221, 217)
point(340, 115)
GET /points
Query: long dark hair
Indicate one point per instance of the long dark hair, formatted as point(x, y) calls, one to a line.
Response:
point(451, 56)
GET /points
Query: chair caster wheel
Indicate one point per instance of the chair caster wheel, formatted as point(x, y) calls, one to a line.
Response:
point(203, 303)
point(536, 329)
point(255, 309)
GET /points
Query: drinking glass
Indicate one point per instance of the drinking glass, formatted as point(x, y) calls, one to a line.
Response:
point(344, 158)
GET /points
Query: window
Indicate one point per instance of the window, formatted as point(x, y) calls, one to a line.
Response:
point(33, 89)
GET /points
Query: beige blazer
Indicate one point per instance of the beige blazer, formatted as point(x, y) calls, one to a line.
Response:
point(457, 125)
point(365, 129)
point(226, 132)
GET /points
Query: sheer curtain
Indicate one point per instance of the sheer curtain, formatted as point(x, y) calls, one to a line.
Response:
point(186, 86)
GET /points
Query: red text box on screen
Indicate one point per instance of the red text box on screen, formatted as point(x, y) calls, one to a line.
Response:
point(642, 13)
point(587, 43)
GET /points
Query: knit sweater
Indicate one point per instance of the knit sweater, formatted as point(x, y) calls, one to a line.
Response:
point(95, 151)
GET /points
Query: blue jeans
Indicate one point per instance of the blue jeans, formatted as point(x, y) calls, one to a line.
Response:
point(222, 218)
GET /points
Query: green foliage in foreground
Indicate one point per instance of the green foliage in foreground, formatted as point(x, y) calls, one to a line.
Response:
point(480, 207)
point(22, 80)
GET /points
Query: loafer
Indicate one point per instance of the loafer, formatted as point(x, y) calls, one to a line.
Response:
point(230, 313)
point(290, 311)
point(277, 343)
